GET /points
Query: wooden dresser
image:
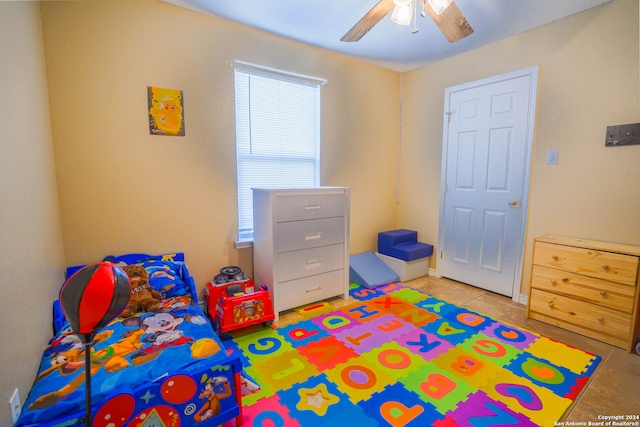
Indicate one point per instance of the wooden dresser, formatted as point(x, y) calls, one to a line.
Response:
point(586, 286)
point(301, 244)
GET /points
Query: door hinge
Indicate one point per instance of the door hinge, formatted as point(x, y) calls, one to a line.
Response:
point(440, 254)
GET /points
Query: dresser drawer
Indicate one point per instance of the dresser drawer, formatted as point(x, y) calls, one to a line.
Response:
point(295, 293)
point(290, 236)
point(614, 295)
point(309, 206)
point(603, 265)
point(308, 262)
point(583, 315)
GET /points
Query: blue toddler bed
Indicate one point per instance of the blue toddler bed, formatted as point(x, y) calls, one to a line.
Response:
point(165, 368)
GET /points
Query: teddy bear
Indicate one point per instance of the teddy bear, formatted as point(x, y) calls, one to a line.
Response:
point(143, 296)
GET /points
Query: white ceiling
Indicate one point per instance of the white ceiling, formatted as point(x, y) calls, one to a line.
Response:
point(322, 23)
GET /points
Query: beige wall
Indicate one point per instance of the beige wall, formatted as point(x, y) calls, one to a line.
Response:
point(122, 190)
point(31, 255)
point(588, 81)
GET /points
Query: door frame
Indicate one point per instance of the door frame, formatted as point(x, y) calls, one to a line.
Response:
point(531, 122)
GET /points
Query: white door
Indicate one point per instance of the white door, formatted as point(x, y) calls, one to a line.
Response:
point(486, 157)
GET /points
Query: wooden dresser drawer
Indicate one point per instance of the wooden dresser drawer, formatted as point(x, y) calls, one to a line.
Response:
point(291, 236)
point(589, 262)
point(308, 262)
point(309, 206)
point(614, 295)
point(581, 314)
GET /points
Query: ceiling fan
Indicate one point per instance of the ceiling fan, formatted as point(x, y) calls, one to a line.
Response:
point(445, 14)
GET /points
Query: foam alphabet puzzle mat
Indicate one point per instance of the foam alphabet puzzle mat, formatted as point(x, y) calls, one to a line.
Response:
point(400, 357)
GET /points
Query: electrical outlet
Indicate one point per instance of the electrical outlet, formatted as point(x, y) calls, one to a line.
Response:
point(552, 157)
point(14, 406)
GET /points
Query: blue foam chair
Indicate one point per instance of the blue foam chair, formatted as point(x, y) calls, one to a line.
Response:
point(367, 270)
point(403, 244)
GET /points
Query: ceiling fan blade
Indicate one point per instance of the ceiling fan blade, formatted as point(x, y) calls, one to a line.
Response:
point(451, 22)
point(368, 21)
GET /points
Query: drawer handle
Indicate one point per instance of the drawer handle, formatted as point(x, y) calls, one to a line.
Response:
point(312, 263)
point(555, 258)
point(554, 283)
point(566, 280)
point(601, 320)
point(606, 268)
point(551, 304)
point(603, 294)
point(313, 290)
point(309, 207)
point(313, 236)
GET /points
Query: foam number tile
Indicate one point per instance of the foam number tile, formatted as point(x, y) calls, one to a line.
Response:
point(481, 411)
point(438, 387)
point(539, 404)
point(576, 360)
point(358, 378)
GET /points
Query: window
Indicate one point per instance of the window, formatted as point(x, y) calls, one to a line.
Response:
point(277, 134)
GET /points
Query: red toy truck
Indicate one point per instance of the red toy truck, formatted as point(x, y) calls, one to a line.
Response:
point(232, 302)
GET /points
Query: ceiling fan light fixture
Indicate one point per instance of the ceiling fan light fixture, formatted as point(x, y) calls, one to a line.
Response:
point(439, 6)
point(402, 14)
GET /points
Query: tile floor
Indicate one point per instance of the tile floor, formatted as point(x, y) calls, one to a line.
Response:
point(613, 389)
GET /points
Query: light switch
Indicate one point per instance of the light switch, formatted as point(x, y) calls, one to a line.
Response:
point(552, 157)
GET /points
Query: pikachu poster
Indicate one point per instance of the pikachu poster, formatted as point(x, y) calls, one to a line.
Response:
point(166, 111)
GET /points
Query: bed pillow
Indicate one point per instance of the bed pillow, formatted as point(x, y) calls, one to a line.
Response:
point(165, 277)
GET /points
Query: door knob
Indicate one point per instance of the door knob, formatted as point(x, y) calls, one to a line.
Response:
point(514, 203)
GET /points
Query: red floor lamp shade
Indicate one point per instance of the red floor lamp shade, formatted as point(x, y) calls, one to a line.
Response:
point(91, 298)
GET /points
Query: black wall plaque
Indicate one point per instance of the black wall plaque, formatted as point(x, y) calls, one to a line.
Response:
point(623, 135)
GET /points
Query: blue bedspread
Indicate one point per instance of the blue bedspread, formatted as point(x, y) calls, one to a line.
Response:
point(126, 355)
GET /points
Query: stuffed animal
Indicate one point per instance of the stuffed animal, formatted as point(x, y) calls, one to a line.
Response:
point(143, 296)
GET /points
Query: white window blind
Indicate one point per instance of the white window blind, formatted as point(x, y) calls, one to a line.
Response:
point(277, 134)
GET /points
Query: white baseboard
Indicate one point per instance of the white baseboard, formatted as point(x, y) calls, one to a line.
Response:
point(434, 273)
point(524, 299)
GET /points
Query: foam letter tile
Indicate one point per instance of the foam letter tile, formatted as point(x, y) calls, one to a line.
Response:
point(539, 404)
point(285, 369)
point(576, 360)
point(490, 349)
point(262, 345)
point(508, 334)
point(555, 378)
point(362, 312)
point(410, 296)
point(439, 307)
point(268, 411)
point(471, 319)
point(449, 330)
point(389, 304)
point(327, 353)
point(479, 410)
point(316, 309)
point(417, 316)
point(358, 378)
point(363, 294)
point(396, 406)
point(335, 321)
point(265, 387)
point(468, 367)
point(424, 344)
point(438, 387)
point(393, 359)
point(302, 333)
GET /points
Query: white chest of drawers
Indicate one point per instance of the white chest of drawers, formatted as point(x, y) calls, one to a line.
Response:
point(301, 244)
